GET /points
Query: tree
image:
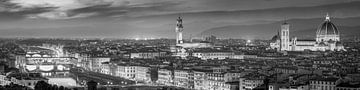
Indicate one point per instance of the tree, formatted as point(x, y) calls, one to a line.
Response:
point(55, 87)
point(41, 85)
point(61, 88)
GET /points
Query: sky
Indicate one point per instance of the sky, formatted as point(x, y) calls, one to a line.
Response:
point(153, 18)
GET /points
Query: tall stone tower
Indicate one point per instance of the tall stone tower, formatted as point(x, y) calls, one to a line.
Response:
point(284, 37)
point(179, 29)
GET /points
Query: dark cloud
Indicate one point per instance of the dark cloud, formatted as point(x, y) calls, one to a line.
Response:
point(5, 6)
point(130, 10)
point(6, 16)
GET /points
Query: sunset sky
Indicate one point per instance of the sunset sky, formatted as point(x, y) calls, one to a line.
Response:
point(154, 18)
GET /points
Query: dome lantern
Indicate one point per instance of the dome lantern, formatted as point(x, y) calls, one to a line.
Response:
point(327, 17)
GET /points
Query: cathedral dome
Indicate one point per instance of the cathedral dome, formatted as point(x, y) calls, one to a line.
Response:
point(274, 38)
point(327, 28)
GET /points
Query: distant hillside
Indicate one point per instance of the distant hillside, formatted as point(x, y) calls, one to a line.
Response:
point(299, 27)
point(345, 32)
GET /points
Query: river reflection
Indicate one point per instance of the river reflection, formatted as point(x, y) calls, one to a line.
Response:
point(57, 74)
point(64, 81)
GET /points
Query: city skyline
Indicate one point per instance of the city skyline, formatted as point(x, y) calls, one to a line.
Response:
point(179, 45)
point(156, 18)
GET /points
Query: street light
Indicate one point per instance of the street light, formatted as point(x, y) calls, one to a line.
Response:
point(109, 83)
point(248, 41)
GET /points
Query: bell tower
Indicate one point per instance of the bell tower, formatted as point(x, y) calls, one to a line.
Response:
point(284, 37)
point(179, 31)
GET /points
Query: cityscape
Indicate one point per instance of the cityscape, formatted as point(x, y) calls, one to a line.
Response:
point(179, 45)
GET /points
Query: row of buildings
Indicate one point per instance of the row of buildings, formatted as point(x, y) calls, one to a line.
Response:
point(105, 66)
point(200, 78)
point(28, 80)
point(223, 78)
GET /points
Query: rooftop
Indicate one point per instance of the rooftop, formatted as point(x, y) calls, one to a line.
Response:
point(349, 85)
point(330, 79)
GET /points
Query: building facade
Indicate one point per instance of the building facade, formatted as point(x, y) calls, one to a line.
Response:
point(4, 81)
point(251, 81)
point(184, 78)
point(142, 74)
point(94, 63)
point(148, 54)
point(105, 68)
point(324, 83)
point(205, 55)
point(126, 71)
point(165, 76)
point(199, 79)
point(133, 72)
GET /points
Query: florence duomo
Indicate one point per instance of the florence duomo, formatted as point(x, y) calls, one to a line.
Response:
point(327, 38)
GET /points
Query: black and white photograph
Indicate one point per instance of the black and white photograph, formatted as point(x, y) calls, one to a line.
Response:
point(179, 44)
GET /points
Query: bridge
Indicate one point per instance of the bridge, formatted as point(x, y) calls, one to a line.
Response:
point(58, 66)
point(58, 49)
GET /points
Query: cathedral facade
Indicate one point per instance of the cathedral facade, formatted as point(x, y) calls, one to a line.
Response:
point(327, 38)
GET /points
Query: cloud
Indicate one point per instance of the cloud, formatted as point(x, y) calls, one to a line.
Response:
point(60, 4)
point(6, 6)
point(62, 9)
point(67, 9)
point(55, 15)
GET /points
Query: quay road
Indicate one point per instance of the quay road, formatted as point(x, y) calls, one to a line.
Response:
point(115, 83)
point(140, 87)
point(84, 76)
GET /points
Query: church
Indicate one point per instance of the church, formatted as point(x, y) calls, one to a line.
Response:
point(327, 39)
